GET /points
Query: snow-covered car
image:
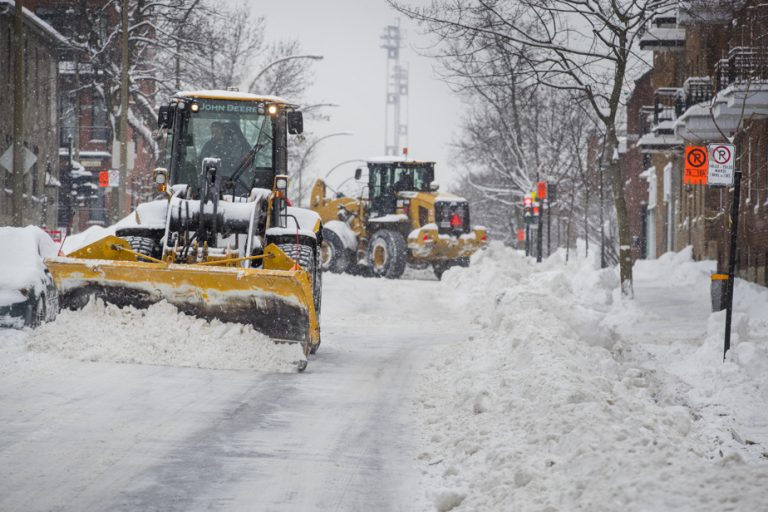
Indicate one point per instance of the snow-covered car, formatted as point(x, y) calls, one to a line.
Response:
point(27, 294)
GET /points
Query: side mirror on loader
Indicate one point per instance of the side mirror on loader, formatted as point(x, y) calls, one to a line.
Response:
point(358, 173)
point(434, 186)
point(164, 118)
point(295, 122)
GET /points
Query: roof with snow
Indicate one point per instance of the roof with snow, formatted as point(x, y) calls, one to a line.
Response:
point(38, 24)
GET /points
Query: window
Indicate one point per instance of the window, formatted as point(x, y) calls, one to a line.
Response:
point(99, 129)
point(67, 119)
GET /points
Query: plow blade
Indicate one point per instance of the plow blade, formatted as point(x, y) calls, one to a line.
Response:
point(276, 300)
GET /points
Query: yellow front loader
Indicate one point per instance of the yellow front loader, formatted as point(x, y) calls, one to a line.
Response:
point(222, 241)
point(398, 219)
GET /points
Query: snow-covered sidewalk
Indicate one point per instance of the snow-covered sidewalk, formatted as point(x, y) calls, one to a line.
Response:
point(568, 398)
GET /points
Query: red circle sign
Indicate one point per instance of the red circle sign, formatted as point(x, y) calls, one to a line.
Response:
point(697, 158)
point(721, 154)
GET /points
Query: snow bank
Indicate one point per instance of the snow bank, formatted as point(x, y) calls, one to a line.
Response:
point(21, 261)
point(94, 233)
point(160, 335)
point(569, 398)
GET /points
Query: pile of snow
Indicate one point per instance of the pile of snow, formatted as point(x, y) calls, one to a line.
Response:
point(21, 261)
point(570, 398)
point(160, 335)
point(151, 215)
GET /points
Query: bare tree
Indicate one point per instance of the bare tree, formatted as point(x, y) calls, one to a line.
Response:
point(584, 47)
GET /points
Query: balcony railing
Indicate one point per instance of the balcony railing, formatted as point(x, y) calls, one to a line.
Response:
point(742, 64)
point(664, 104)
point(696, 89)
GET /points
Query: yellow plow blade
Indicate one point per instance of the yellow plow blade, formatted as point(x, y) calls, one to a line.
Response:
point(276, 299)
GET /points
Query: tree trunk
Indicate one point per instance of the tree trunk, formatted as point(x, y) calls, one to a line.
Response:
point(622, 218)
point(118, 198)
point(17, 197)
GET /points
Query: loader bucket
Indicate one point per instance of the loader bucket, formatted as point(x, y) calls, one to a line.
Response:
point(275, 299)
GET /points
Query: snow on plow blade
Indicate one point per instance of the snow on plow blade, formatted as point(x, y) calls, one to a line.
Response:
point(275, 299)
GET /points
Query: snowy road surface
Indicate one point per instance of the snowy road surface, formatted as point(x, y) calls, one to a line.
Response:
point(509, 385)
point(105, 436)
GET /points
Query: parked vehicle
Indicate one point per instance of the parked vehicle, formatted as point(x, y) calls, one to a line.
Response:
point(27, 294)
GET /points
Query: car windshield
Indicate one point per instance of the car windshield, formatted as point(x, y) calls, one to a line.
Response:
point(238, 133)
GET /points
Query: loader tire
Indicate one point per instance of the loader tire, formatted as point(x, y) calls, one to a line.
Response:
point(143, 240)
point(387, 254)
point(307, 256)
point(439, 268)
point(143, 245)
point(334, 256)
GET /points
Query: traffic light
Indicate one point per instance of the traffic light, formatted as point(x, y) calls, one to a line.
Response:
point(530, 209)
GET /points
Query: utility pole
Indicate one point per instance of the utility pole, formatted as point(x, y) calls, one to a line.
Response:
point(17, 197)
point(118, 193)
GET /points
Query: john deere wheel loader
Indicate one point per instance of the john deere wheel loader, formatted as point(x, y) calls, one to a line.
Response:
point(398, 219)
point(222, 241)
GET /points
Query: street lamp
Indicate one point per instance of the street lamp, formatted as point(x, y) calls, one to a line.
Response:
point(340, 164)
point(308, 151)
point(279, 61)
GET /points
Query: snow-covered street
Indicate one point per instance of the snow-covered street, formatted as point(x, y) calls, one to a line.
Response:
point(105, 436)
point(507, 386)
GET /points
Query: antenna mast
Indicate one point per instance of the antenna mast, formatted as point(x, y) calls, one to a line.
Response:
point(396, 113)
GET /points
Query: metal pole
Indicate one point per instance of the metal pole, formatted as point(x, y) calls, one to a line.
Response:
point(539, 234)
point(549, 228)
point(527, 239)
point(17, 197)
point(732, 260)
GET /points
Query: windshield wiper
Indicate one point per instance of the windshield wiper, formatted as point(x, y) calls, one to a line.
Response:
point(248, 160)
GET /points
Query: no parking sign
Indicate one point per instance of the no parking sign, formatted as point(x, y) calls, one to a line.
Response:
point(721, 164)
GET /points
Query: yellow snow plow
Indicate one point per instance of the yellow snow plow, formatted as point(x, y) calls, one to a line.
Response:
point(222, 243)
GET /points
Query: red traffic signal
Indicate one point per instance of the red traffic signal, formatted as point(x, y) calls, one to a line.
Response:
point(541, 191)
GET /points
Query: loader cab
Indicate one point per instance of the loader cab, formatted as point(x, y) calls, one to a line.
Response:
point(246, 132)
point(388, 179)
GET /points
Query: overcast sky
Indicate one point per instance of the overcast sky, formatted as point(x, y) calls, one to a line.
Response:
point(353, 75)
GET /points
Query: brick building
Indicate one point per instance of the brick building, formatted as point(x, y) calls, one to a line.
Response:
point(88, 105)
point(42, 44)
point(710, 84)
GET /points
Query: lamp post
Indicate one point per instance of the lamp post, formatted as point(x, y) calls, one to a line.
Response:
point(306, 154)
point(279, 61)
point(340, 164)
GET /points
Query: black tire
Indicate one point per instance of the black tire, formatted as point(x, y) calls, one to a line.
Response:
point(387, 254)
point(333, 255)
point(143, 241)
point(305, 253)
point(439, 269)
point(37, 313)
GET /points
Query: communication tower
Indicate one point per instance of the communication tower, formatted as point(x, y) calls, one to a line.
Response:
point(396, 115)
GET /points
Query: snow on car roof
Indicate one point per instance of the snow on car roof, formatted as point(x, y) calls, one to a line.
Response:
point(21, 260)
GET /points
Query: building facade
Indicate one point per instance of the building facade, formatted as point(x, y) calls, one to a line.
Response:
point(42, 45)
point(709, 84)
